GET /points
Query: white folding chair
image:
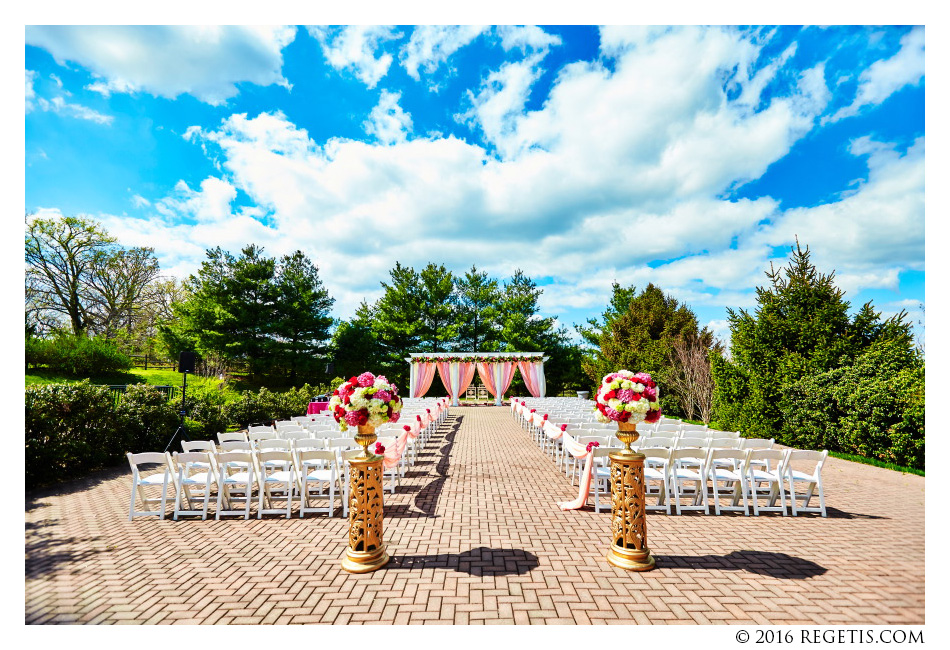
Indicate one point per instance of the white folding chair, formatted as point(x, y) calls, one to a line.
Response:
point(293, 434)
point(140, 482)
point(255, 437)
point(260, 428)
point(237, 436)
point(317, 469)
point(774, 480)
point(654, 476)
point(393, 471)
point(727, 465)
point(198, 445)
point(600, 479)
point(195, 471)
point(242, 482)
point(811, 479)
point(278, 479)
point(677, 474)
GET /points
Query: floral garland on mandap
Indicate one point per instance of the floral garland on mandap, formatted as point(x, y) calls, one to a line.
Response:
point(627, 397)
point(366, 399)
point(479, 359)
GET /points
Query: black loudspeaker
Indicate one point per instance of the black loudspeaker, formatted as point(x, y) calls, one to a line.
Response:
point(186, 361)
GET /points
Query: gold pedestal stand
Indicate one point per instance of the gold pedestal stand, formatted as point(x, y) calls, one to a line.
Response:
point(366, 551)
point(628, 549)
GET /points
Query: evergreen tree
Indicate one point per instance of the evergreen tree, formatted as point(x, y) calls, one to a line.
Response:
point(396, 323)
point(301, 316)
point(438, 329)
point(479, 301)
point(800, 328)
point(640, 336)
point(522, 329)
point(354, 348)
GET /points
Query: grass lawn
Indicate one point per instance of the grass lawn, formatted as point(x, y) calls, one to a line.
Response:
point(156, 377)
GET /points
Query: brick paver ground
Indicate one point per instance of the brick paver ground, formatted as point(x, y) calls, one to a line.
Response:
point(475, 537)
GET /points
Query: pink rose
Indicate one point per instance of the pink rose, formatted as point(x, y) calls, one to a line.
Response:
point(563, 427)
point(650, 393)
point(382, 395)
point(366, 379)
point(611, 413)
point(592, 444)
point(352, 418)
point(394, 417)
point(407, 427)
point(653, 415)
point(380, 449)
point(627, 395)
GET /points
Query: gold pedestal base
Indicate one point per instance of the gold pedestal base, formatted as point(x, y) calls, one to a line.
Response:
point(356, 562)
point(628, 526)
point(631, 559)
point(366, 551)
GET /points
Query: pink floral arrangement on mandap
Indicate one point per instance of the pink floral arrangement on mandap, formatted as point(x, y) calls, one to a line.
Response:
point(627, 397)
point(366, 399)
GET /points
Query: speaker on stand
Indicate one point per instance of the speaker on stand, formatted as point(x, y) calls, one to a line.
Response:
point(186, 364)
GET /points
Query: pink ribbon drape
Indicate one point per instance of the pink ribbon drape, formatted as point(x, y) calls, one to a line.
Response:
point(529, 372)
point(424, 374)
point(579, 452)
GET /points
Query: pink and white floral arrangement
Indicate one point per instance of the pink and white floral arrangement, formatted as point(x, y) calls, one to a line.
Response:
point(366, 399)
point(627, 397)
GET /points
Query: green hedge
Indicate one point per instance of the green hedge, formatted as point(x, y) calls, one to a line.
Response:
point(872, 408)
point(75, 355)
point(72, 429)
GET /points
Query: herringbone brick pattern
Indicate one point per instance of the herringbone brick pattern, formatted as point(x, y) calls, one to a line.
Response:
point(475, 537)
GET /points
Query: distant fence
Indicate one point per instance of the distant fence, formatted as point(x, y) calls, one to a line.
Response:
point(144, 362)
point(170, 392)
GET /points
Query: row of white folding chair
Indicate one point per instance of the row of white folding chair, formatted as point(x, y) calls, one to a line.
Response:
point(673, 467)
point(235, 475)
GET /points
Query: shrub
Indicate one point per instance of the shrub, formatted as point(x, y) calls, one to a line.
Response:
point(70, 430)
point(145, 419)
point(873, 408)
point(207, 414)
point(76, 355)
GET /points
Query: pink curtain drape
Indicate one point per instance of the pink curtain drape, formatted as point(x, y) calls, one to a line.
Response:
point(424, 374)
point(529, 372)
point(444, 376)
point(507, 374)
point(466, 375)
point(485, 373)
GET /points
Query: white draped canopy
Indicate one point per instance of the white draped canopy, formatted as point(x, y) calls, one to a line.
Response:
point(457, 369)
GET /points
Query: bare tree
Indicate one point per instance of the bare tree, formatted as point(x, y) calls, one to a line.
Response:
point(691, 376)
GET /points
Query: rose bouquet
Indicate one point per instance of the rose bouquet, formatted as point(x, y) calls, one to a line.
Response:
point(366, 399)
point(627, 397)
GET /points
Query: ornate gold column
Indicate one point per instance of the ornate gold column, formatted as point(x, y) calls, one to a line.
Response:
point(628, 549)
point(366, 551)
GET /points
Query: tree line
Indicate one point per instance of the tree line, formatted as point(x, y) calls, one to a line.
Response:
point(800, 367)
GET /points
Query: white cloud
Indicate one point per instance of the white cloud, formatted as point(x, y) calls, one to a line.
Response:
point(527, 37)
point(59, 105)
point(432, 45)
point(354, 48)
point(30, 93)
point(140, 201)
point(628, 187)
point(500, 100)
point(387, 122)
point(886, 76)
point(170, 60)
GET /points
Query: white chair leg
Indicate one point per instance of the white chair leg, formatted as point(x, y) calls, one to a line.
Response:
point(135, 480)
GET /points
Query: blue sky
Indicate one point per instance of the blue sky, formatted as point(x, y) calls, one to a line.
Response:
point(689, 157)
